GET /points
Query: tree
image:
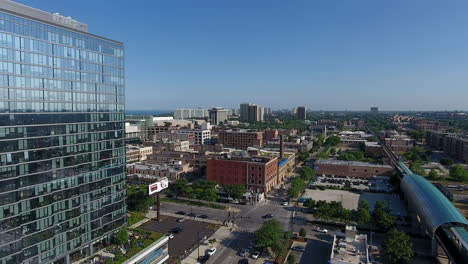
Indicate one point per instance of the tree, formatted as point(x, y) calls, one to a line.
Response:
point(320, 140)
point(297, 188)
point(382, 217)
point(205, 190)
point(333, 140)
point(363, 215)
point(269, 236)
point(307, 174)
point(416, 168)
point(433, 175)
point(121, 237)
point(303, 156)
point(181, 188)
point(417, 135)
point(302, 232)
point(138, 199)
point(310, 204)
point(458, 173)
point(397, 247)
point(234, 191)
point(446, 162)
point(292, 259)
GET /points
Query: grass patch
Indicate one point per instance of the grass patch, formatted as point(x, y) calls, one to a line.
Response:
point(135, 217)
point(194, 203)
point(146, 238)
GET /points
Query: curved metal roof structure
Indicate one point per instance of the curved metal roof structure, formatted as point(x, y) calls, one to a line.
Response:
point(431, 204)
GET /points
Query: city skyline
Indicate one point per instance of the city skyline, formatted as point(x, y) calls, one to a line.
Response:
point(283, 54)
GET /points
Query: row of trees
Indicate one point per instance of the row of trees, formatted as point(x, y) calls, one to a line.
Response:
point(205, 190)
point(355, 155)
point(457, 172)
point(299, 184)
point(335, 211)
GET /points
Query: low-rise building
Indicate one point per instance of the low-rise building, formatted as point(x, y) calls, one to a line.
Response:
point(201, 136)
point(399, 144)
point(373, 148)
point(257, 174)
point(166, 145)
point(342, 168)
point(132, 133)
point(137, 153)
point(454, 145)
point(172, 171)
point(349, 248)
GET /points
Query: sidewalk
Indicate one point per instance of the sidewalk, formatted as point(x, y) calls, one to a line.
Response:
point(221, 234)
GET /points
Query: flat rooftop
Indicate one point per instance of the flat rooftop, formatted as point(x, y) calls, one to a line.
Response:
point(350, 163)
point(347, 250)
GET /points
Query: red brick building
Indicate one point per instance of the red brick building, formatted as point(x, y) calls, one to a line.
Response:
point(356, 169)
point(257, 174)
point(241, 139)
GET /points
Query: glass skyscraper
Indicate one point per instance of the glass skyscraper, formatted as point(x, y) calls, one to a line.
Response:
point(62, 150)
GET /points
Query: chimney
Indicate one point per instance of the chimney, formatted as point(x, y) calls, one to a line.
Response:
point(281, 147)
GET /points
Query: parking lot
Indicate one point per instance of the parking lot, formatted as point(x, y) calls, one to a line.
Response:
point(375, 184)
point(348, 199)
point(351, 200)
point(186, 240)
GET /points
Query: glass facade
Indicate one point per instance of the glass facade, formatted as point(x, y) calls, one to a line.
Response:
point(62, 150)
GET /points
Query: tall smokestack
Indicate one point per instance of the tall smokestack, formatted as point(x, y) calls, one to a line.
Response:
point(281, 147)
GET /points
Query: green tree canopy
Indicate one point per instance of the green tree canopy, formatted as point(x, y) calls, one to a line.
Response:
point(121, 237)
point(458, 173)
point(416, 168)
point(397, 247)
point(382, 217)
point(235, 191)
point(269, 236)
point(433, 175)
point(138, 199)
point(446, 162)
point(205, 190)
point(333, 140)
point(302, 232)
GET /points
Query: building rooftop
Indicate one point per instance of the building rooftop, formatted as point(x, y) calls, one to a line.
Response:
point(350, 163)
point(350, 248)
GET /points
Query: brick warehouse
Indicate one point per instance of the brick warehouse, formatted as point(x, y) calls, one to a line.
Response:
point(257, 174)
point(350, 168)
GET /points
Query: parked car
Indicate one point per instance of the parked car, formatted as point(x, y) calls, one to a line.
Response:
point(181, 213)
point(203, 216)
point(285, 204)
point(211, 251)
point(243, 252)
point(298, 248)
point(180, 220)
point(255, 255)
point(267, 216)
point(321, 230)
point(192, 214)
point(203, 259)
point(171, 236)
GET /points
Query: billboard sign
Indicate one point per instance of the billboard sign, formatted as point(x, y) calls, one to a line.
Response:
point(158, 186)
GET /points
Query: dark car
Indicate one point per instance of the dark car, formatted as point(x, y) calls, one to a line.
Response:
point(298, 248)
point(203, 259)
point(181, 213)
point(176, 230)
point(243, 261)
point(267, 216)
point(203, 216)
point(192, 214)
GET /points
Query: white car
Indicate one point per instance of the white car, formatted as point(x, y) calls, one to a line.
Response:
point(211, 251)
point(285, 204)
point(322, 230)
point(171, 236)
point(255, 255)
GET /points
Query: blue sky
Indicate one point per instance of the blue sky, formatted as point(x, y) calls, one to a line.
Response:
point(327, 55)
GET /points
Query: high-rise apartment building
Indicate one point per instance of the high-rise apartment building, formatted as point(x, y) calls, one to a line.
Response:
point(301, 113)
point(374, 110)
point(191, 113)
point(62, 149)
point(218, 115)
point(251, 113)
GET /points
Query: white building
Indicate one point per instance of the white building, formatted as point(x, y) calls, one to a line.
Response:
point(349, 248)
point(202, 136)
point(191, 113)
